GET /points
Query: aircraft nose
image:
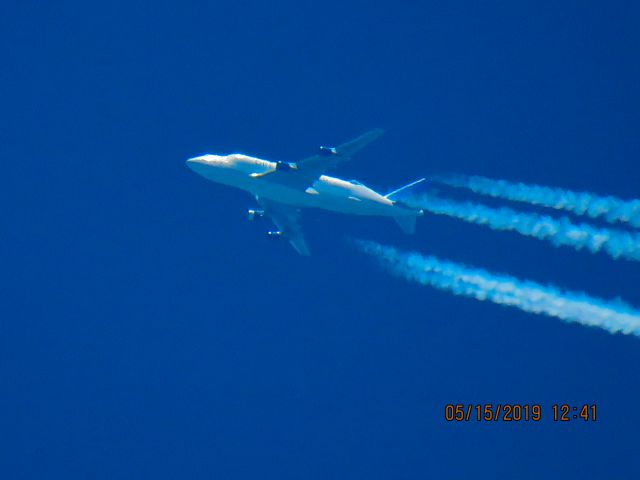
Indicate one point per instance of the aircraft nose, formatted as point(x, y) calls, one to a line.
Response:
point(192, 162)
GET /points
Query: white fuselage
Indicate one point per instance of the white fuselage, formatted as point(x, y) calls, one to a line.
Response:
point(328, 193)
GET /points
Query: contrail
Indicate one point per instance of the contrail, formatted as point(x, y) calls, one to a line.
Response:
point(609, 208)
point(557, 231)
point(528, 296)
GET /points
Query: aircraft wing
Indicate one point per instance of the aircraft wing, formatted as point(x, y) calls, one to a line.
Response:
point(330, 157)
point(302, 174)
point(286, 218)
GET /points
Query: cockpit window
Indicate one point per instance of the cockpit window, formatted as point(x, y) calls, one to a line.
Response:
point(356, 182)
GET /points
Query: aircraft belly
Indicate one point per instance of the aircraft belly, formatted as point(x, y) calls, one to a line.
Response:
point(338, 200)
point(323, 194)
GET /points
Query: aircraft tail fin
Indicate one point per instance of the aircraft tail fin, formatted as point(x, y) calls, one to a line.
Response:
point(395, 194)
point(407, 213)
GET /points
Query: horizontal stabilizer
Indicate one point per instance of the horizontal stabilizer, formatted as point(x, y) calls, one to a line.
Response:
point(407, 223)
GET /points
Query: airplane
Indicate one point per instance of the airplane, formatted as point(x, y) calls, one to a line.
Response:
point(283, 188)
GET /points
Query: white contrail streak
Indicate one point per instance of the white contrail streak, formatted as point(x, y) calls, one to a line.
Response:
point(609, 208)
point(557, 231)
point(528, 296)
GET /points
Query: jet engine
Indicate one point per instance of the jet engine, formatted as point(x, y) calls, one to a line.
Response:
point(328, 151)
point(254, 214)
point(274, 235)
point(285, 166)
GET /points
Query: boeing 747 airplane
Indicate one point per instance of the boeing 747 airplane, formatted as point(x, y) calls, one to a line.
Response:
point(283, 188)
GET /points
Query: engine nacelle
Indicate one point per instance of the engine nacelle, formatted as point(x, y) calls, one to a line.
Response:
point(254, 214)
point(328, 151)
point(274, 235)
point(285, 166)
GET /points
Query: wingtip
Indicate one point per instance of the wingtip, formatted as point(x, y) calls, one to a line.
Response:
point(302, 251)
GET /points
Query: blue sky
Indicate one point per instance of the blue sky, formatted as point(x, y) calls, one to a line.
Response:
point(149, 331)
